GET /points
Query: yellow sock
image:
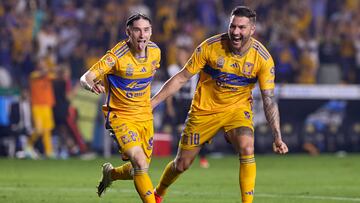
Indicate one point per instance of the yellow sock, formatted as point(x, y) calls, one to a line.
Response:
point(144, 186)
point(122, 172)
point(167, 178)
point(247, 177)
point(47, 142)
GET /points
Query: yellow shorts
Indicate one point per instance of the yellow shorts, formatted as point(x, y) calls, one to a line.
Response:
point(43, 118)
point(128, 134)
point(200, 129)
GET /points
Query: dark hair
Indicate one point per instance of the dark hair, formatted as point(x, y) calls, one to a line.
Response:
point(243, 11)
point(136, 16)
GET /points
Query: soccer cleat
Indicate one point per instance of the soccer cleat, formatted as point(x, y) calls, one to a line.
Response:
point(158, 198)
point(204, 163)
point(106, 178)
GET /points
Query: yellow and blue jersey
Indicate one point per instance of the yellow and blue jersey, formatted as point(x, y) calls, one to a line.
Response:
point(226, 80)
point(127, 81)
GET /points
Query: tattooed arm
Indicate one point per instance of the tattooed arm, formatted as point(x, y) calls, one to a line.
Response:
point(272, 116)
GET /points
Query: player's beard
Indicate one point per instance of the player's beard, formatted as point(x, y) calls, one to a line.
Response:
point(238, 45)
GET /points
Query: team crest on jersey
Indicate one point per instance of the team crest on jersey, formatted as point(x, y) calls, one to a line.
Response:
point(247, 68)
point(143, 70)
point(129, 69)
point(220, 62)
point(110, 61)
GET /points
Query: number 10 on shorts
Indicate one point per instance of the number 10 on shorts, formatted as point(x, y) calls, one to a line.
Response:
point(190, 139)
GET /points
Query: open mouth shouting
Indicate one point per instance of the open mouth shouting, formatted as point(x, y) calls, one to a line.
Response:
point(236, 40)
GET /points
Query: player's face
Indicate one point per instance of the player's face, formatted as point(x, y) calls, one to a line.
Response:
point(240, 30)
point(139, 34)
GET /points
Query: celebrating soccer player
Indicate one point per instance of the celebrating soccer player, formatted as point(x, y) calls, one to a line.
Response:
point(229, 65)
point(124, 73)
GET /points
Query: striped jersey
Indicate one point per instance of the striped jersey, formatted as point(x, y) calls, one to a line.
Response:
point(127, 81)
point(226, 80)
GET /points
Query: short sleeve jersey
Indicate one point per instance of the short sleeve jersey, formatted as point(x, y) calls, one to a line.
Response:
point(226, 80)
point(127, 81)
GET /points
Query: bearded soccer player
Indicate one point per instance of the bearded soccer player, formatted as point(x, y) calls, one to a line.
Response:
point(229, 65)
point(124, 73)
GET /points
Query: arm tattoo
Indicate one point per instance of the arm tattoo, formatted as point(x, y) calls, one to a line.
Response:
point(271, 112)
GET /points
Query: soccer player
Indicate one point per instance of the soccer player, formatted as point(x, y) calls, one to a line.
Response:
point(126, 72)
point(229, 65)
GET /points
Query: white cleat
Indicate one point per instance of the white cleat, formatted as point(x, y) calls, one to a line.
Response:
point(106, 178)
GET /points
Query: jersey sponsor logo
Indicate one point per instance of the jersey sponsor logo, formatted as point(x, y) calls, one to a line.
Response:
point(131, 85)
point(228, 78)
point(247, 68)
point(110, 61)
point(135, 94)
point(143, 70)
point(223, 85)
point(137, 85)
point(220, 62)
point(129, 70)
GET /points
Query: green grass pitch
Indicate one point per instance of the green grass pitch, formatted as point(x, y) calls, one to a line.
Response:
point(280, 179)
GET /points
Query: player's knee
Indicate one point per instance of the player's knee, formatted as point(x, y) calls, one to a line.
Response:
point(246, 149)
point(140, 162)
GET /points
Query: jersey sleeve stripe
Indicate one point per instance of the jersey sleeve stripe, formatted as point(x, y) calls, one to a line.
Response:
point(122, 53)
point(216, 38)
point(228, 78)
point(152, 44)
point(262, 54)
point(121, 49)
point(262, 49)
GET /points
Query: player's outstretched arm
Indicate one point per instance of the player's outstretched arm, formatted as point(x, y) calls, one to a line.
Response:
point(87, 81)
point(272, 116)
point(171, 86)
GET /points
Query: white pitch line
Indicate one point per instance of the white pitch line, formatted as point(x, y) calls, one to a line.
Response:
point(118, 190)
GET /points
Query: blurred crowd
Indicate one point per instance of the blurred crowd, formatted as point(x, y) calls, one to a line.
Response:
point(56, 41)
